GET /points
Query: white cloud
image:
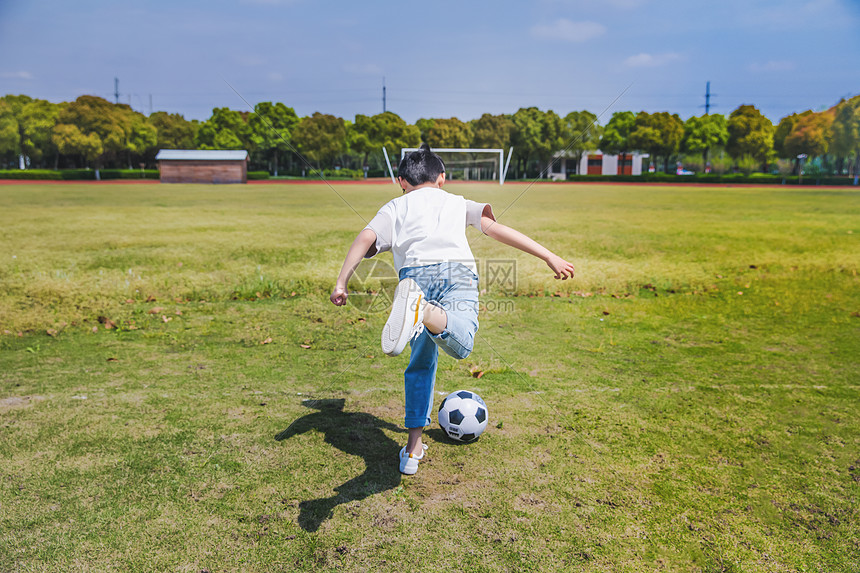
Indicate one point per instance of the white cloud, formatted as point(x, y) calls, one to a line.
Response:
point(16, 75)
point(568, 30)
point(772, 66)
point(275, 76)
point(644, 60)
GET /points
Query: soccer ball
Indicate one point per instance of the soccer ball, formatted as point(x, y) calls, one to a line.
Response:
point(463, 416)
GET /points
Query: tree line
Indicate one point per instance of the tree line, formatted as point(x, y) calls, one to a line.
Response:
point(93, 132)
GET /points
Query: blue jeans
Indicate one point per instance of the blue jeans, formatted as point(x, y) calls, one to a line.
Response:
point(454, 288)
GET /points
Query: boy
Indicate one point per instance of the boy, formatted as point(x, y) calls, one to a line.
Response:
point(435, 304)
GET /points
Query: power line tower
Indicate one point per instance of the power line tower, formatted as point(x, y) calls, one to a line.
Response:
point(116, 90)
point(708, 98)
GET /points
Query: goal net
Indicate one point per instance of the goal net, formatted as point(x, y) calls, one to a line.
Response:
point(472, 164)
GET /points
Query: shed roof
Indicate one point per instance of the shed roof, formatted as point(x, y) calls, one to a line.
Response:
point(202, 154)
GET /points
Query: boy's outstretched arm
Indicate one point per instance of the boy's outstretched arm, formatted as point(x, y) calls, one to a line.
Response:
point(504, 234)
point(363, 243)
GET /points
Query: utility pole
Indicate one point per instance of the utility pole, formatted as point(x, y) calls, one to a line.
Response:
point(150, 104)
point(708, 98)
point(116, 90)
point(383, 94)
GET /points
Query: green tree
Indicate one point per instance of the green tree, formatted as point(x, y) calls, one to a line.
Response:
point(424, 125)
point(616, 135)
point(491, 131)
point(701, 134)
point(389, 130)
point(322, 138)
point(174, 131)
point(101, 125)
point(16, 103)
point(272, 125)
point(10, 140)
point(645, 138)
point(659, 134)
point(750, 135)
point(846, 132)
point(810, 135)
point(583, 133)
point(37, 122)
point(783, 129)
point(140, 135)
point(536, 135)
point(225, 129)
point(72, 141)
point(14, 108)
point(449, 133)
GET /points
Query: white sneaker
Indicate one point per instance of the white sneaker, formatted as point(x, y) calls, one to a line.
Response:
point(406, 319)
point(409, 462)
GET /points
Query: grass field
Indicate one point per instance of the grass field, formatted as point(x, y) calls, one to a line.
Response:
point(688, 403)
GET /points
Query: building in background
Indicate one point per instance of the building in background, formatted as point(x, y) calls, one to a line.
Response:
point(203, 165)
point(598, 163)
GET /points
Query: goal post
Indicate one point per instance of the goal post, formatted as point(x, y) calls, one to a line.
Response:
point(503, 165)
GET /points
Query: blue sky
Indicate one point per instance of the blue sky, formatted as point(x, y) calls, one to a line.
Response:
point(439, 59)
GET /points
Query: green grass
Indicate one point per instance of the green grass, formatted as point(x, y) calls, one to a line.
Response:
point(645, 416)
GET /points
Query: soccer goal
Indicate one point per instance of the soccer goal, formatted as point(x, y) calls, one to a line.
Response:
point(465, 159)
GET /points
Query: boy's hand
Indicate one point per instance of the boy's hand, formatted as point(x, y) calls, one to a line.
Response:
point(338, 296)
point(563, 270)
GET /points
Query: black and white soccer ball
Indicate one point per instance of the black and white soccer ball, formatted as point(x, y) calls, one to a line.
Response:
point(463, 416)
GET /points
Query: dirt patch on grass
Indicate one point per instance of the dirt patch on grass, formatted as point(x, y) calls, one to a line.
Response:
point(530, 503)
point(236, 413)
point(18, 402)
point(391, 410)
point(85, 463)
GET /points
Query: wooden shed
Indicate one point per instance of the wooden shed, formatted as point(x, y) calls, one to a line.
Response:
point(203, 165)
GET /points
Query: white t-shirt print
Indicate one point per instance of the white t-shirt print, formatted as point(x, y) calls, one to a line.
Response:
point(427, 226)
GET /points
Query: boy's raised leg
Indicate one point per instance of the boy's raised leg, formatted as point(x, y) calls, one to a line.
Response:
point(406, 318)
point(435, 318)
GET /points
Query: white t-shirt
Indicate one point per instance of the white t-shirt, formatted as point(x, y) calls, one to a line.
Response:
point(426, 226)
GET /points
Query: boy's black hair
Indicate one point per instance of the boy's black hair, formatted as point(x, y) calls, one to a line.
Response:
point(422, 166)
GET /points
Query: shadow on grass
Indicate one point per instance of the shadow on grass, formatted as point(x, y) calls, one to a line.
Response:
point(438, 435)
point(354, 433)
